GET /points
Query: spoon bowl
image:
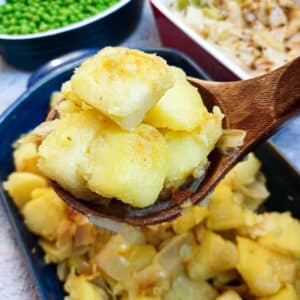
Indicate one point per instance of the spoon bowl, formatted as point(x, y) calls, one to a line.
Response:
point(259, 106)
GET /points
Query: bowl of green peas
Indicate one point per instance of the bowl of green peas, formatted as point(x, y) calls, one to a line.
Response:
point(35, 31)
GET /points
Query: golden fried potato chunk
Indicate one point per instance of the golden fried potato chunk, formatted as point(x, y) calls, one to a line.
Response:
point(264, 271)
point(80, 288)
point(214, 255)
point(223, 212)
point(88, 153)
point(244, 173)
point(185, 288)
point(69, 94)
point(277, 231)
point(66, 107)
point(44, 214)
point(188, 150)
point(123, 84)
point(283, 234)
point(21, 184)
point(181, 108)
point(128, 165)
point(64, 151)
point(26, 157)
point(191, 217)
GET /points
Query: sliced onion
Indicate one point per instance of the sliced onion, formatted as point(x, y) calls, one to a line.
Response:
point(153, 281)
point(85, 235)
point(231, 139)
point(132, 235)
point(45, 128)
point(111, 260)
point(169, 256)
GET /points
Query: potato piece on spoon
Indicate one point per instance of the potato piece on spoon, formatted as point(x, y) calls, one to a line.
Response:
point(87, 153)
point(64, 151)
point(123, 84)
point(128, 165)
point(181, 107)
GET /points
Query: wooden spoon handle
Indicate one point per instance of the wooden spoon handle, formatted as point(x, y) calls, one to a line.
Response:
point(257, 105)
point(286, 97)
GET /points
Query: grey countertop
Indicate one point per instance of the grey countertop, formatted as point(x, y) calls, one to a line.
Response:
point(15, 282)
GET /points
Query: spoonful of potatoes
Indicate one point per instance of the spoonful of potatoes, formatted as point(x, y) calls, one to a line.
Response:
point(134, 140)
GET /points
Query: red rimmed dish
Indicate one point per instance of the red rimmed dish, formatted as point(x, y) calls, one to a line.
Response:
point(233, 48)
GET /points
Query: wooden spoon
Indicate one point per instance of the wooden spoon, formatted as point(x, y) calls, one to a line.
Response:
point(258, 106)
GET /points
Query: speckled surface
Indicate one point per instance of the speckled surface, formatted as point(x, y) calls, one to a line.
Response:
point(15, 282)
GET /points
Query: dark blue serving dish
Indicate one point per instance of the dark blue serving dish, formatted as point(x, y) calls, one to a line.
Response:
point(31, 108)
point(109, 27)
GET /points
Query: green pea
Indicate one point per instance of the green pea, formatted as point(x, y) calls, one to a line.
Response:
point(31, 16)
point(43, 27)
point(24, 29)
